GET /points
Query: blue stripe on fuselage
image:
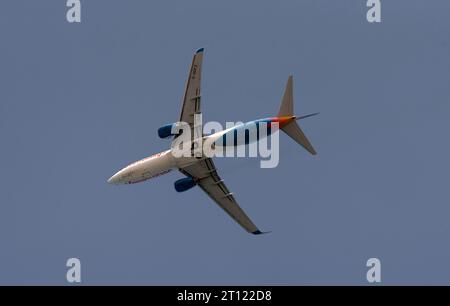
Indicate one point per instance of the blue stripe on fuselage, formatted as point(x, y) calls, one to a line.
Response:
point(241, 133)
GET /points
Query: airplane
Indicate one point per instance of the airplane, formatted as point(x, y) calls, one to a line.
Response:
point(201, 171)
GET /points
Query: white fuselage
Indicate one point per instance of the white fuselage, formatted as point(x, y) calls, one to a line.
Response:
point(144, 169)
point(150, 167)
point(160, 163)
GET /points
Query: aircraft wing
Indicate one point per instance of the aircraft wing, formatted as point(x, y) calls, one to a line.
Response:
point(205, 173)
point(191, 100)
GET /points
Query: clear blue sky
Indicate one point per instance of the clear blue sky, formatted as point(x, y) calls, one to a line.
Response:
point(79, 101)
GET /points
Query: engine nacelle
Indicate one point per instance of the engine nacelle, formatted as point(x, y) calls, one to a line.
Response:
point(184, 184)
point(165, 131)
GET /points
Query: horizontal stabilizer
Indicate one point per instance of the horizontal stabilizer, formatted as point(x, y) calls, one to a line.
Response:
point(295, 132)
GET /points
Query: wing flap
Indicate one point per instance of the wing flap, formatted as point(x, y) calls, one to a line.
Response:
point(205, 173)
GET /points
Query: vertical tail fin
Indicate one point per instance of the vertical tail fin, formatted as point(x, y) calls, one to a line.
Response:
point(292, 129)
point(287, 104)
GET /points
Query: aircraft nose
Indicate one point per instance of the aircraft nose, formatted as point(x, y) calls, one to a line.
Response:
point(114, 179)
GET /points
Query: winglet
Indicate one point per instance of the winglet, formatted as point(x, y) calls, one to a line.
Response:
point(200, 50)
point(258, 232)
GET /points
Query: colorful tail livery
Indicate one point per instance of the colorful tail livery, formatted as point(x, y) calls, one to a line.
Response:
point(292, 128)
point(200, 170)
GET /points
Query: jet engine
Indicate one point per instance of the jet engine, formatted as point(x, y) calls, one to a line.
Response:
point(184, 184)
point(165, 131)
